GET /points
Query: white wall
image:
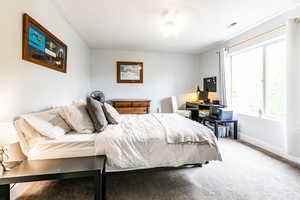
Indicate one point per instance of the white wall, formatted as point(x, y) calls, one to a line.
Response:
point(262, 132)
point(208, 63)
point(266, 133)
point(164, 75)
point(25, 86)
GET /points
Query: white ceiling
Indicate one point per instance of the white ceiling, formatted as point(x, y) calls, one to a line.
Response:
point(136, 24)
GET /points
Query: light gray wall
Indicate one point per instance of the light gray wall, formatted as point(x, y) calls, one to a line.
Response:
point(26, 87)
point(263, 132)
point(165, 75)
point(208, 64)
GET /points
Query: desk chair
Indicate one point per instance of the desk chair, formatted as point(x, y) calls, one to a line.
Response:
point(184, 113)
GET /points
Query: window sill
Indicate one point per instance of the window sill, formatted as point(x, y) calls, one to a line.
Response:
point(278, 119)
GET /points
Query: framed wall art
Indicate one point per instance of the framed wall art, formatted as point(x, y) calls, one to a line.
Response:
point(210, 84)
point(42, 47)
point(129, 72)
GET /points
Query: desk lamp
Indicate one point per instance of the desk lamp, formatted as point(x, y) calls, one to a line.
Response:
point(198, 93)
point(198, 89)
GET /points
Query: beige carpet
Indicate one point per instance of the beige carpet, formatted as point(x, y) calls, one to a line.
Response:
point(245, 174)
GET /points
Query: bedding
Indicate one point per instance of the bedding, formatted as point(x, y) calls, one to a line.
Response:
point(137, 142)
point(97, 115)
point(179, 129)
point(48, 123)
point(76, 115)
point(111, 114)
point(27, 135)
point(71, 145)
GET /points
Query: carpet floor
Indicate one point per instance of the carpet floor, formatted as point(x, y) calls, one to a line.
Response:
point(245, 174)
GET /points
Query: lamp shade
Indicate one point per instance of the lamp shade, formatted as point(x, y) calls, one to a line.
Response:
point(212, 96)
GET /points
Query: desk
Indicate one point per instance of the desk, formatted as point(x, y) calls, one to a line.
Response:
point(200, 106)
point(194, 107)
point(216, 122)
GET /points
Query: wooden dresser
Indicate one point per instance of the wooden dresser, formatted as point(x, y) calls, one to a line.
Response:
point(131, 106)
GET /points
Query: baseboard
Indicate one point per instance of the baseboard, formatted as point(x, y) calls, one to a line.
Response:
point(268, 147)
point(262, 144)
point(293, 159)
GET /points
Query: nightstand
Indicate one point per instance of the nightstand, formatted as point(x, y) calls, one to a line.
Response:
point(63, 168)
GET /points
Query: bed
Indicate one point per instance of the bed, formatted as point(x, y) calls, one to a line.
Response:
point(138, 142)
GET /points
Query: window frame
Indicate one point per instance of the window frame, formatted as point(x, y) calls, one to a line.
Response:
point(264, 46)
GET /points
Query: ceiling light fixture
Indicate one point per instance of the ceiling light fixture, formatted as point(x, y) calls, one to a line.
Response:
point(170, 23)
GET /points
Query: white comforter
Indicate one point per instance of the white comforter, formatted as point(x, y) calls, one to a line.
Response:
point(140, 141)
point(179, 129)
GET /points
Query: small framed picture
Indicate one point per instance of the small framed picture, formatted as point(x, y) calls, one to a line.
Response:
point(129, 72)
point(42, 47)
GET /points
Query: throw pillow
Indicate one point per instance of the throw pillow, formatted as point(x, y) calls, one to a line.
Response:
point(48, 123)
point(77, 117)
point(28, 135)
point(94, 108)
point(111, 114)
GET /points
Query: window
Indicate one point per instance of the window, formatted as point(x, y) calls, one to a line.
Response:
point(247, 71)
point(258, 80)
point(275, 79)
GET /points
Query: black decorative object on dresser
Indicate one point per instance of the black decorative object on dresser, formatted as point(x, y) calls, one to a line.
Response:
point(98, 95)
point(63, 168)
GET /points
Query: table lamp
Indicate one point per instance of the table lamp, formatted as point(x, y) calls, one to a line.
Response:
point(11, 154)
point(198, 89)
point(212, 96)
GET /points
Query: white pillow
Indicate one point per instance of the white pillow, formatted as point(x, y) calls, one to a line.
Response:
point(77, 117)
point(48, 123)
point(111, 114)
point(28, 136)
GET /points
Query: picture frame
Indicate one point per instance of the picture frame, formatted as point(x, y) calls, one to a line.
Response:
point(41, 47)
point(129, 72)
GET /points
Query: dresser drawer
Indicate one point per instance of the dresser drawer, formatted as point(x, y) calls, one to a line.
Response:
point(139, 110)
point(140, 104)
point(131, 106)
point(132, 110)
point(124, 110)
point(120, 104)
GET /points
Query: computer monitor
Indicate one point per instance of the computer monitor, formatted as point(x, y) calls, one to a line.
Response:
point(203, 95)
